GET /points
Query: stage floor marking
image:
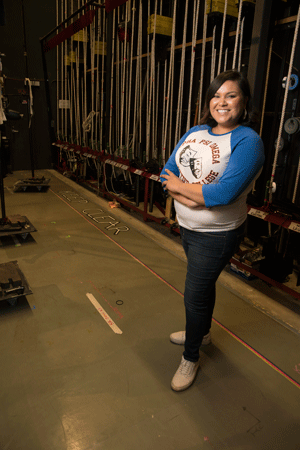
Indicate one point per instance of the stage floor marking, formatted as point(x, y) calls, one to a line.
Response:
point(104, 314)
point(263, 358)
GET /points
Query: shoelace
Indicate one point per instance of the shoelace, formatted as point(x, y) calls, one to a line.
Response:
point(186, 367)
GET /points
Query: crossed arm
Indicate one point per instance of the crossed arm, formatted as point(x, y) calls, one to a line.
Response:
point(186, 193)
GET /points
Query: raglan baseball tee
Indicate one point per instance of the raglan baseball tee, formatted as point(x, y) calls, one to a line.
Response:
point(226, 165)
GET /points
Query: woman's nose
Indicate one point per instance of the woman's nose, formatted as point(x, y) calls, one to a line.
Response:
point(223, 101)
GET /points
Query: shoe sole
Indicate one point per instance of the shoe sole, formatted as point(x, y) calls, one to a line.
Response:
point(182, 343)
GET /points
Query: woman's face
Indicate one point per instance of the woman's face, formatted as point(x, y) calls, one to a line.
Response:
point(227, 106)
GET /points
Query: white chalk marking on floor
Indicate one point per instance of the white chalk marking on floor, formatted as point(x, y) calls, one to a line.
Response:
point(104, 314)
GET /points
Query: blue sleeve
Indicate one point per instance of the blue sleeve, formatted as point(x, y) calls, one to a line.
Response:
point(171, 163)
point(245, 162)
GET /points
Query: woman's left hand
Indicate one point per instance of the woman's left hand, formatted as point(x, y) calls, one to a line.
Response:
point(171, 183)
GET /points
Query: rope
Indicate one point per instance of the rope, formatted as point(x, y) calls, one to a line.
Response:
point(222, 36)
point(181, 79)
point(241, 44)
point(65, 80)
point(225, 59)
point(127, 87)
point(202, 59)
point(194, 38)
point(118, 65)
point(266, 88)
point(92, 49)
point(62, 76)
point(57, 77)
point(98, 93)
point(141, 74)
point(151, 84)
point(155, 106)
point(284, 103)
point(137, 79)
point(102, 78)
point(297, 182)
point(170, 84)
point(237, 33)
point(213, 54)
point(164, 108)
point(130, 77)
point(112, 80)
point(85, 78)
point(124, 68)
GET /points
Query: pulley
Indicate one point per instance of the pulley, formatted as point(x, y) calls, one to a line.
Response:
point(292, 125)
point(281, 144)
point(294, 80)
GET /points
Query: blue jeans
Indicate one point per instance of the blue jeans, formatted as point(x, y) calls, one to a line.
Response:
point(207, 255)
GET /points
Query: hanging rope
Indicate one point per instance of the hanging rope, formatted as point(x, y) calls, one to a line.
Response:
point(112, 81)
point(225, 59)
point(181, 79)
point(213, 54)
point(194, 38)
point(170, 84)
point(102, 77)
point(92, 49)
point(130, 79)
point(237, 34)
point(284, 104)
point(57, 78)
point(62, 75)
point(202, 63)
point(65, 80)
point(266, 88)
point(241, 44)
point(151, 84)
point(98, 93)
point(297, 182)
point(137, 80)
point(164, 107)
point(124, 68)
point(222, 36)
point(118, 66)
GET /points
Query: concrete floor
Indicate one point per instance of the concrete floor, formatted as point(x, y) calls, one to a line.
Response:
point(81, 375)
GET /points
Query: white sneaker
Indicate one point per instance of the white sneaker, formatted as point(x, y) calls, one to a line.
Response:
point(179, 338)
point(185, 375)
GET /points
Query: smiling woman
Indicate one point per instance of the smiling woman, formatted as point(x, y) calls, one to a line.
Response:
point(209, 174)
point(227, 106)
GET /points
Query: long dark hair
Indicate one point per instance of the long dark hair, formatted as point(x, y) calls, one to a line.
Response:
point(248, 119)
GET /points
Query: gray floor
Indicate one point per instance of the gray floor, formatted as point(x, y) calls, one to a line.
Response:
point(75, 379)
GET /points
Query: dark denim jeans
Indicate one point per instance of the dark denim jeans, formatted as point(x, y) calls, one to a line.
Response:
point(207, 255)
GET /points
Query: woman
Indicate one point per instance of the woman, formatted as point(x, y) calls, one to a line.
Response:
point(209, 175)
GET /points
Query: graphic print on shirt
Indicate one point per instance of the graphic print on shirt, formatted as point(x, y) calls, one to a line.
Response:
point(201, 160)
